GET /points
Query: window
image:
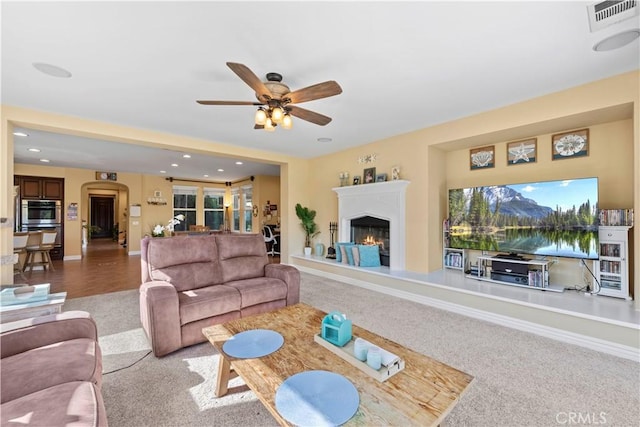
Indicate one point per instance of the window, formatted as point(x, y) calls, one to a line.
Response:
point(184, 202)
point(214, 208)
point(247, 193)
point(235, 218)
point(242, 209)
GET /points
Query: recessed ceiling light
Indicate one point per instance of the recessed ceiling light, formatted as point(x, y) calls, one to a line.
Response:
point(220, 170)
point(238, 163)
point(175, 165)
point(186, 156)
point(20, 134)
point(44, 160)
point(617, 40)
point(34, 150)
point(205, 175)
point(163, 171)
point(325, 139)
point(52, 70)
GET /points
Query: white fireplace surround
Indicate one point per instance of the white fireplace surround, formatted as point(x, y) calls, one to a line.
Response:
point(383, 200)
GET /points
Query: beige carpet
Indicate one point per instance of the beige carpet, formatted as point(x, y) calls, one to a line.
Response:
point(520, 379)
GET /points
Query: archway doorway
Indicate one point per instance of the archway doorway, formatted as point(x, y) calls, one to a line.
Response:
point(105, 217)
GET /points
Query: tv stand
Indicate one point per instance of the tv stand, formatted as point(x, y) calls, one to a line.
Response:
point(524, 273)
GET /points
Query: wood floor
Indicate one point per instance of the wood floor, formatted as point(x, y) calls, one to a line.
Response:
point(105, 267)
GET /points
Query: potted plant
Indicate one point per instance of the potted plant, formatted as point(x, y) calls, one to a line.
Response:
point(307, 221)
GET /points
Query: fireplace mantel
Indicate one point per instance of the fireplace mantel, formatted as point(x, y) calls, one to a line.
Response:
point(385, 200)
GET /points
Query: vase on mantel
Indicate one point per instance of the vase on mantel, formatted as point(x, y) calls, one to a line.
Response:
point(307, 251)
point(319, 249)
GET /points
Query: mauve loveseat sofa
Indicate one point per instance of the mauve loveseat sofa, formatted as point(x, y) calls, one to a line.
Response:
point(51, 372)
point(191, 282)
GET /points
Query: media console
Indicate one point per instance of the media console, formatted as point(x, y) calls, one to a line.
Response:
point(514, 271)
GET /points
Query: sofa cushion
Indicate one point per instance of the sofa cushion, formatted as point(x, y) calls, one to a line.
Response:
point(70, 404)
point(44, 367)
point(187, 262)
point(242, 256)
point(259, 290)
point(202, 303)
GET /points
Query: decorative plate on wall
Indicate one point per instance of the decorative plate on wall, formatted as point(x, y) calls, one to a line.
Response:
point(570, 144)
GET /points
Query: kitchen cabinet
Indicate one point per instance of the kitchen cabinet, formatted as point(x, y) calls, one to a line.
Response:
point(34, 187)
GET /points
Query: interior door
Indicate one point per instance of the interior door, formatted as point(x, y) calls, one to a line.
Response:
point(101, 217)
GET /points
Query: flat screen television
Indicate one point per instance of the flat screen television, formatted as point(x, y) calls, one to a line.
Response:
point(551, 218)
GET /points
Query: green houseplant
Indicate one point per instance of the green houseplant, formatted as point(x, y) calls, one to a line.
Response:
point(307, 221)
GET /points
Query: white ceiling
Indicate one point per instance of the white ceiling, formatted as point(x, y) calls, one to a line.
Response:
point(402, 66)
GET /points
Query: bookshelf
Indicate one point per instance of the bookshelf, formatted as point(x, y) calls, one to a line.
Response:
point(452, 258)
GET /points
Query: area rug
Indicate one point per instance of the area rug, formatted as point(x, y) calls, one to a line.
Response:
point(520, 378)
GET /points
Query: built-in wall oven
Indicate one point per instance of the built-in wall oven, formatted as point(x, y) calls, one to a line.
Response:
point(41, 212)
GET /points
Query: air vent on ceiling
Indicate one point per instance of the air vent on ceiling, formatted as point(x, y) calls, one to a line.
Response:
point(606, 13)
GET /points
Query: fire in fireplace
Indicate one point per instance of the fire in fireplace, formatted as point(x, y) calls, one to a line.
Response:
point(368, 230)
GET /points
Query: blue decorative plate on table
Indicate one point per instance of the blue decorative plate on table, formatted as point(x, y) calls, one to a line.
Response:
point(317, 398)
point(253, 343)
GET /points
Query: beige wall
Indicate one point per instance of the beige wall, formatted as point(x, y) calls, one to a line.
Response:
point(423, 156)
point(435, 159)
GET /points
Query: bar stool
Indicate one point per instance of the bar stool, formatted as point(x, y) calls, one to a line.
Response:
point(45, 244)
point(19, 248)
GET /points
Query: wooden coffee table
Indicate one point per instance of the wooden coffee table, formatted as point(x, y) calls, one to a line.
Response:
point(422, 394)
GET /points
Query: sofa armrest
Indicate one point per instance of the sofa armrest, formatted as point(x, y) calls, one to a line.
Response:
point(289, 275)
point(160, 316)
point(23, 335)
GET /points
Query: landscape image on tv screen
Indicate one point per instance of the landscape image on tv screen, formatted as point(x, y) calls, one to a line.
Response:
point(551, 218)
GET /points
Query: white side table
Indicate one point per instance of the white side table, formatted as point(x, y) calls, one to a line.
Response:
point(53, 304)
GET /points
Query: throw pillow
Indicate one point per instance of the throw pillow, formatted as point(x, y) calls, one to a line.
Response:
point(348, 249)
point(369, 255)
point(345, 258)
point(338, 251)
point(356, 255)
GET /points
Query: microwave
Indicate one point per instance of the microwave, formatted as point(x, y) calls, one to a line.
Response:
point(41, 212)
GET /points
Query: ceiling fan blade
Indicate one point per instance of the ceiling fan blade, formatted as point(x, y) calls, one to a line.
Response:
point(229, 103)
point(308, 115)
point(317, 91)
point(251, 79)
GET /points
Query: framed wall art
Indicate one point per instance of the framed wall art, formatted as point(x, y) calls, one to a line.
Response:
point(482, 158)
point(381, 177)
point(520, 152)
point(369, 176)
point(568, 145)
point(356, 180)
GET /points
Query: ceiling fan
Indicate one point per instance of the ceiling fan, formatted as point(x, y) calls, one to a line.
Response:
point(276, 99)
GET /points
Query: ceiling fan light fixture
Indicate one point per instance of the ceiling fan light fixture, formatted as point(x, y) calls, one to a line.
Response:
point(261, 116)
point(287, 122)
point(277, 114)
point(268, 126)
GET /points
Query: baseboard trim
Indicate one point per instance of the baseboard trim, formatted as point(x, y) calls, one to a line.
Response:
point(71, 257)
point(592, 343)
point(132, 253)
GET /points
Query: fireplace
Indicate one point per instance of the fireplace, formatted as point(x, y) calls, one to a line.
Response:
point(382, 201)
point(368, 230)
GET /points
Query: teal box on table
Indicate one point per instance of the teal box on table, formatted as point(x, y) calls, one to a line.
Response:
point(336, 328)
